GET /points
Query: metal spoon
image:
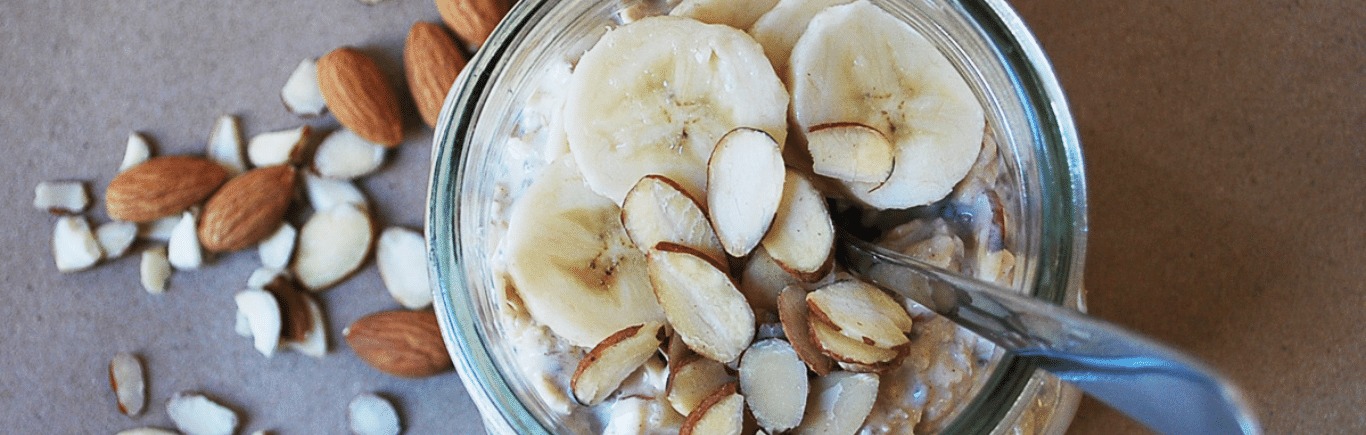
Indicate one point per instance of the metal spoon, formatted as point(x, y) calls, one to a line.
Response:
point(1160, 387)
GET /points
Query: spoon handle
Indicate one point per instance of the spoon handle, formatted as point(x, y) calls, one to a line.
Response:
point(1151, 383)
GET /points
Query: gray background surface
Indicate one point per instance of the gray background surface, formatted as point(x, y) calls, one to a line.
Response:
point(1225, 143)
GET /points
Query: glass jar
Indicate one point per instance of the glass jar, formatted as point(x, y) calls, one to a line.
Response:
point(491, 104)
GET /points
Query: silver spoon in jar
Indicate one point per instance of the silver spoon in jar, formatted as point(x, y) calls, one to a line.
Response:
point(1160, 387)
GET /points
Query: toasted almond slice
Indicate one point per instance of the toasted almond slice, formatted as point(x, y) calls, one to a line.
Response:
point(125, 378)
point(147, 431)
point(792, 311)
point(850, 152)
point(721, 413)
point(802, 237)
point(402, 259)
point(263, 317)
point(314, 342)
point(657, 209)
point(138, 150)
point(744, 186)
point(701, 302)
point(116, 237)
point(73, 245)
point(276, 250)
point(158, 230)
point(195, 414)
point(155, 269)
point(692, 379)
point(278, 147)
point(370, 414)
point(183, 249)
point(601, 371)
point(775, 384)
point(344, 154)
point(324, 193)
point(839, 403)
point(762, 279)
point(332, 245)
point(301, 94)
point(845, 349)
point(61, 197)
point(225, 144)
point(861, 312)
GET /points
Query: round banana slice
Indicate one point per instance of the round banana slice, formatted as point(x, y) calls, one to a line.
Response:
point(857, 63)
point(572, 263)
point(778, 29)
point(739, 14)
point(654, 97)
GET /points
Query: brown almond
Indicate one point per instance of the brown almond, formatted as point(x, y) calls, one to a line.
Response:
point(358, 95)
point(248, 209)
point(472, 20)
point(400, 343)
point(162, 187)
point(295, 318)
point(432, 62)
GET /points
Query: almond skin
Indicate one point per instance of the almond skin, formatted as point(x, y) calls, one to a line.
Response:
point(248, 209)
point(432, 62)
point(400, 343)
point(162, 187)
point(295, 317)
point(358, 95)
point(472, 20)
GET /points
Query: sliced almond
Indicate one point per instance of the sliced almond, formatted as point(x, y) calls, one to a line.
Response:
point(692, 379)
point(275, 251)
point(158, 230)
point(701, 302)
point(263, 276)
point(116, 237)
point(125, 378)
point(802, 237)
point(792, 311)
point(195, 414)
point(61, 197)
point(370, 414)
point(744, 187)
point(402, 258)
point(184, 250)
point(278, 147)
point(400, 343)
point(763, 278)
point(241, 325)
point(314, 342)
point(296, 318)
point(225, 144)
point(850, 152)
point(344, 154)
point(472, 20)
point(359, 96)
point(325, 193)
point(722, 413)
point(845, 349)
point(248, 209)
point(301, 94)
point(861, 312)
point(775, 384)
point(601, 371)
point(839, 403)
point(432, 62)
point(73, 245)
point(138, 150)
point(155, 269)
point(332, 245)
point(263, 318)
point(161, 187)
point(657, 209)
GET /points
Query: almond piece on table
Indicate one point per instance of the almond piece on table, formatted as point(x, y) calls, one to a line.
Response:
point(472, 20)
point(301, 94)
point(162, 187)
point(61, 197)
point(147, 431)
point(155, 269)
point(116, 237)
point(802, 238)
point(701, 302)
point(158, 230)
point(370, 414)
point(838, 403)
point(793, 313)
point(775, 384)
point(279, 147)
point(248, 209)
point(745, 178)
point(296, 316)
point(324, 193)
point(861, 312)
point(721, 413)
point(73, 245)
point(125, 378)
point(692, 379)
point(657, 209)
point(332, 245)
point(601, 371)
point(432, 62)
point(184, 250)
point(359, 96)
point(275, 251)
point(195, 414)
point(263, 318)
point(402, 258)
point(344, 154)
point(314, 342)
point(850, 151)
point(138, 150)
point(400, 343)
point(225, 144)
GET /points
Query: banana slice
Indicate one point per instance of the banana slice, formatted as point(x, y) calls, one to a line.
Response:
point(654, 97)
point(572, 263)
point(857, 63)
point(739, 14)
point(778, 29)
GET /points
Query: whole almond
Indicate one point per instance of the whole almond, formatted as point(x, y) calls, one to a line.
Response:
point(247, 209)
point(400, 343)
point(472, 20)
point(161, 187)
point(432, 62)
point(358, 95)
